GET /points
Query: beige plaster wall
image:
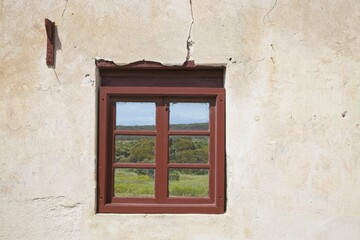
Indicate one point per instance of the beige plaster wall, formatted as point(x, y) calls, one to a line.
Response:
point(293, 114)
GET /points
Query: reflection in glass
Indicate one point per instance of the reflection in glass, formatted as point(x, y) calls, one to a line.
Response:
point(188, 149)
point(134, 182)
point(184, 182)
point(135, 115)
point(134, 149)
point(189, 116)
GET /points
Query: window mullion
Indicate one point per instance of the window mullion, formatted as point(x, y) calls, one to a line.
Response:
point(161, 145)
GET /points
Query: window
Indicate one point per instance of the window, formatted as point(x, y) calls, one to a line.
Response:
point(161, 139)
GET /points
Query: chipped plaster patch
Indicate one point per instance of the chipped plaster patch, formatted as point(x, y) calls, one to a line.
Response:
point(87, 81)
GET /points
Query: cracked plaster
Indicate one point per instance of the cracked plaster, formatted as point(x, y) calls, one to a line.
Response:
point(190, 40)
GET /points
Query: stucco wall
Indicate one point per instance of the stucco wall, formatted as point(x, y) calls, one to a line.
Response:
point(293, 114)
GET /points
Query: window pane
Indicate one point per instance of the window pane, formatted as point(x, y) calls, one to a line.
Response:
point(134, 149)
point(134, 182)
point(188, 149)
point(188, 182)
point(135, 115)
point(189, 116)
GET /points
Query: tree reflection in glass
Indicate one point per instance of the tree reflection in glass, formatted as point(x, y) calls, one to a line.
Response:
point(188, 149)
point(134, 149)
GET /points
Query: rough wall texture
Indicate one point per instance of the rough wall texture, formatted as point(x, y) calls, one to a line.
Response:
point(293, 114)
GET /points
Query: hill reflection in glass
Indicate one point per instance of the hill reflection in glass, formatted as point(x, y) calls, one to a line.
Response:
point(135, 115)
point(142, 116)
point(189, 116)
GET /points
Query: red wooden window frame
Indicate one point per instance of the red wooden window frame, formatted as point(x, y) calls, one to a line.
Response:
point(138, 90)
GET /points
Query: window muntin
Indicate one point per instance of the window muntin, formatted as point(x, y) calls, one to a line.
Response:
point(207, 196)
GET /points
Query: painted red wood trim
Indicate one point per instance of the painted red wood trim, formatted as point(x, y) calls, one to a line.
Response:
point(50, 43)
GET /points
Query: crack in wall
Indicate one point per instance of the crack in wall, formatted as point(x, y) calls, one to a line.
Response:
point(47, 198)
point(189, 41)
point(57, 77)
point(56, 201)
point(271, 9)
point(254, 69)
point(66, 2)
point(75, 205)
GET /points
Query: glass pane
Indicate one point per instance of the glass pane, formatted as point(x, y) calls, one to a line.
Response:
point(188, 149)
point(134, 182)
point(189, 116)
point(134, 149)
point(185, 182)
point(135, 115)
